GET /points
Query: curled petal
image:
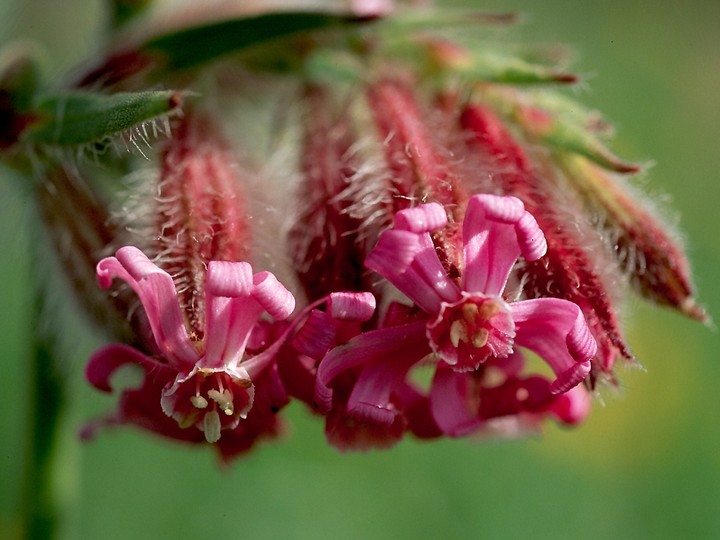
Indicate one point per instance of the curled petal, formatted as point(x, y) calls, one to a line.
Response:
point(532, 240)
point(157, 293)
point(230, 279)
point(232, 316)
point(570, 378)
point(393, 253)
point(230, 312)
point(556, 330)
point(409, 262)
point(273, 296)
point(421, 219)
point(496, 231)
point(347, 306)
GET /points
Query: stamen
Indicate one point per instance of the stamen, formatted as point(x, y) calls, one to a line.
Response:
point(224, 400)
point(458, 333)
point(218, 378)
point(488, 310)
point(199, 402)
point(211, 426)
point(480, 338)
point(470, 312)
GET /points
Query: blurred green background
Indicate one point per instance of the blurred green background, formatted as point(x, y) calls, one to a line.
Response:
point(645, 465)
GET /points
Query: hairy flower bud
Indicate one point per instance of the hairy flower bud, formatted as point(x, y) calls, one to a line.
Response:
point(325, 243)
point(646, 250)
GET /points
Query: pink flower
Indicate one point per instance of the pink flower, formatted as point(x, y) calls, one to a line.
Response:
point(208, 383)
point(465, 323)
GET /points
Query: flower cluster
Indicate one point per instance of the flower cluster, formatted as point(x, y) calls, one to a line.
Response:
point(435, 221)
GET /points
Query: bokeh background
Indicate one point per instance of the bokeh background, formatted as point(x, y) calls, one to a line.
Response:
point(645, 465)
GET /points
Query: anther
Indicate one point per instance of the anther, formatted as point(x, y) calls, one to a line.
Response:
point(470, 312)
point(480, 338)
point(488, 310)
point(458, 333)
point(224, 400)
point(199, 402)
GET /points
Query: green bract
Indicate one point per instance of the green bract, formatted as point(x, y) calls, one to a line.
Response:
point(79, 117)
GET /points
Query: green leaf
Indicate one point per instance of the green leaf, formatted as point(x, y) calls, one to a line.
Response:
point(190, 47)
point(77, 117)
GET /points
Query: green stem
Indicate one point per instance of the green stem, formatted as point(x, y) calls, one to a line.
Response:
point(47, 399)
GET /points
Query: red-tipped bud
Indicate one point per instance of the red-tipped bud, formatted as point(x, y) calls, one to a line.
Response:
point(653, 259)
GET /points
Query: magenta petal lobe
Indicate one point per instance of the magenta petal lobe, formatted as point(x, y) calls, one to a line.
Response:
point(230, 279)
point(351, 306)
point(273, 296)
point(421, 219)
point(570, 378)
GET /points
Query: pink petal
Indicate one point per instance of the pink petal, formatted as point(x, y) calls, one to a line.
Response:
point(496, 231)
point(316, 335)
point(372, 8)
point(571, 377)
point(229, 279)
point(157, 294)
point(385, 343)
point(235, 300)
point(105, 361)
point(556, 330)
point(231, 313)
point(345, 432)
point(256, 365)
point(273, 296)
point(421, 219)
point(409, 261)
point(416, 412)
point(450, 403)
point(349, 306)
point(370, 398)
point(573, 406)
